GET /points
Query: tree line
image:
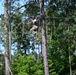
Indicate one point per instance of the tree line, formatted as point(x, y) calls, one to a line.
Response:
point(50, 48)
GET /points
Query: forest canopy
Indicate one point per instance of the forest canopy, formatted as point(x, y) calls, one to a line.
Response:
point(38, 37)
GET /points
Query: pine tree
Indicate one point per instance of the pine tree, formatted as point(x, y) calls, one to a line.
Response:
point(44, 50)
point(6, 38)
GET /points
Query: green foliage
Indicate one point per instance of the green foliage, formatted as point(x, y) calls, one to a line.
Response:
point(60, 31)
point(60, 18)
point(26, 65)
point(32, 8)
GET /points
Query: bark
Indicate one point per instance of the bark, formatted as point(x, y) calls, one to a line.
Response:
point(10, 36)
point(6, 38)
point(70, 67)
point(44, 51)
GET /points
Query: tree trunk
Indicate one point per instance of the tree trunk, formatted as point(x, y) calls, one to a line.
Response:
point(6, 38)
point(10, 36)
point(44, 51)
point(70, 67)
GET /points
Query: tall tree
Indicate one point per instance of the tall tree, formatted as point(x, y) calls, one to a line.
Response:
point(70, 67)
point(6, 38)
point(44, 50)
